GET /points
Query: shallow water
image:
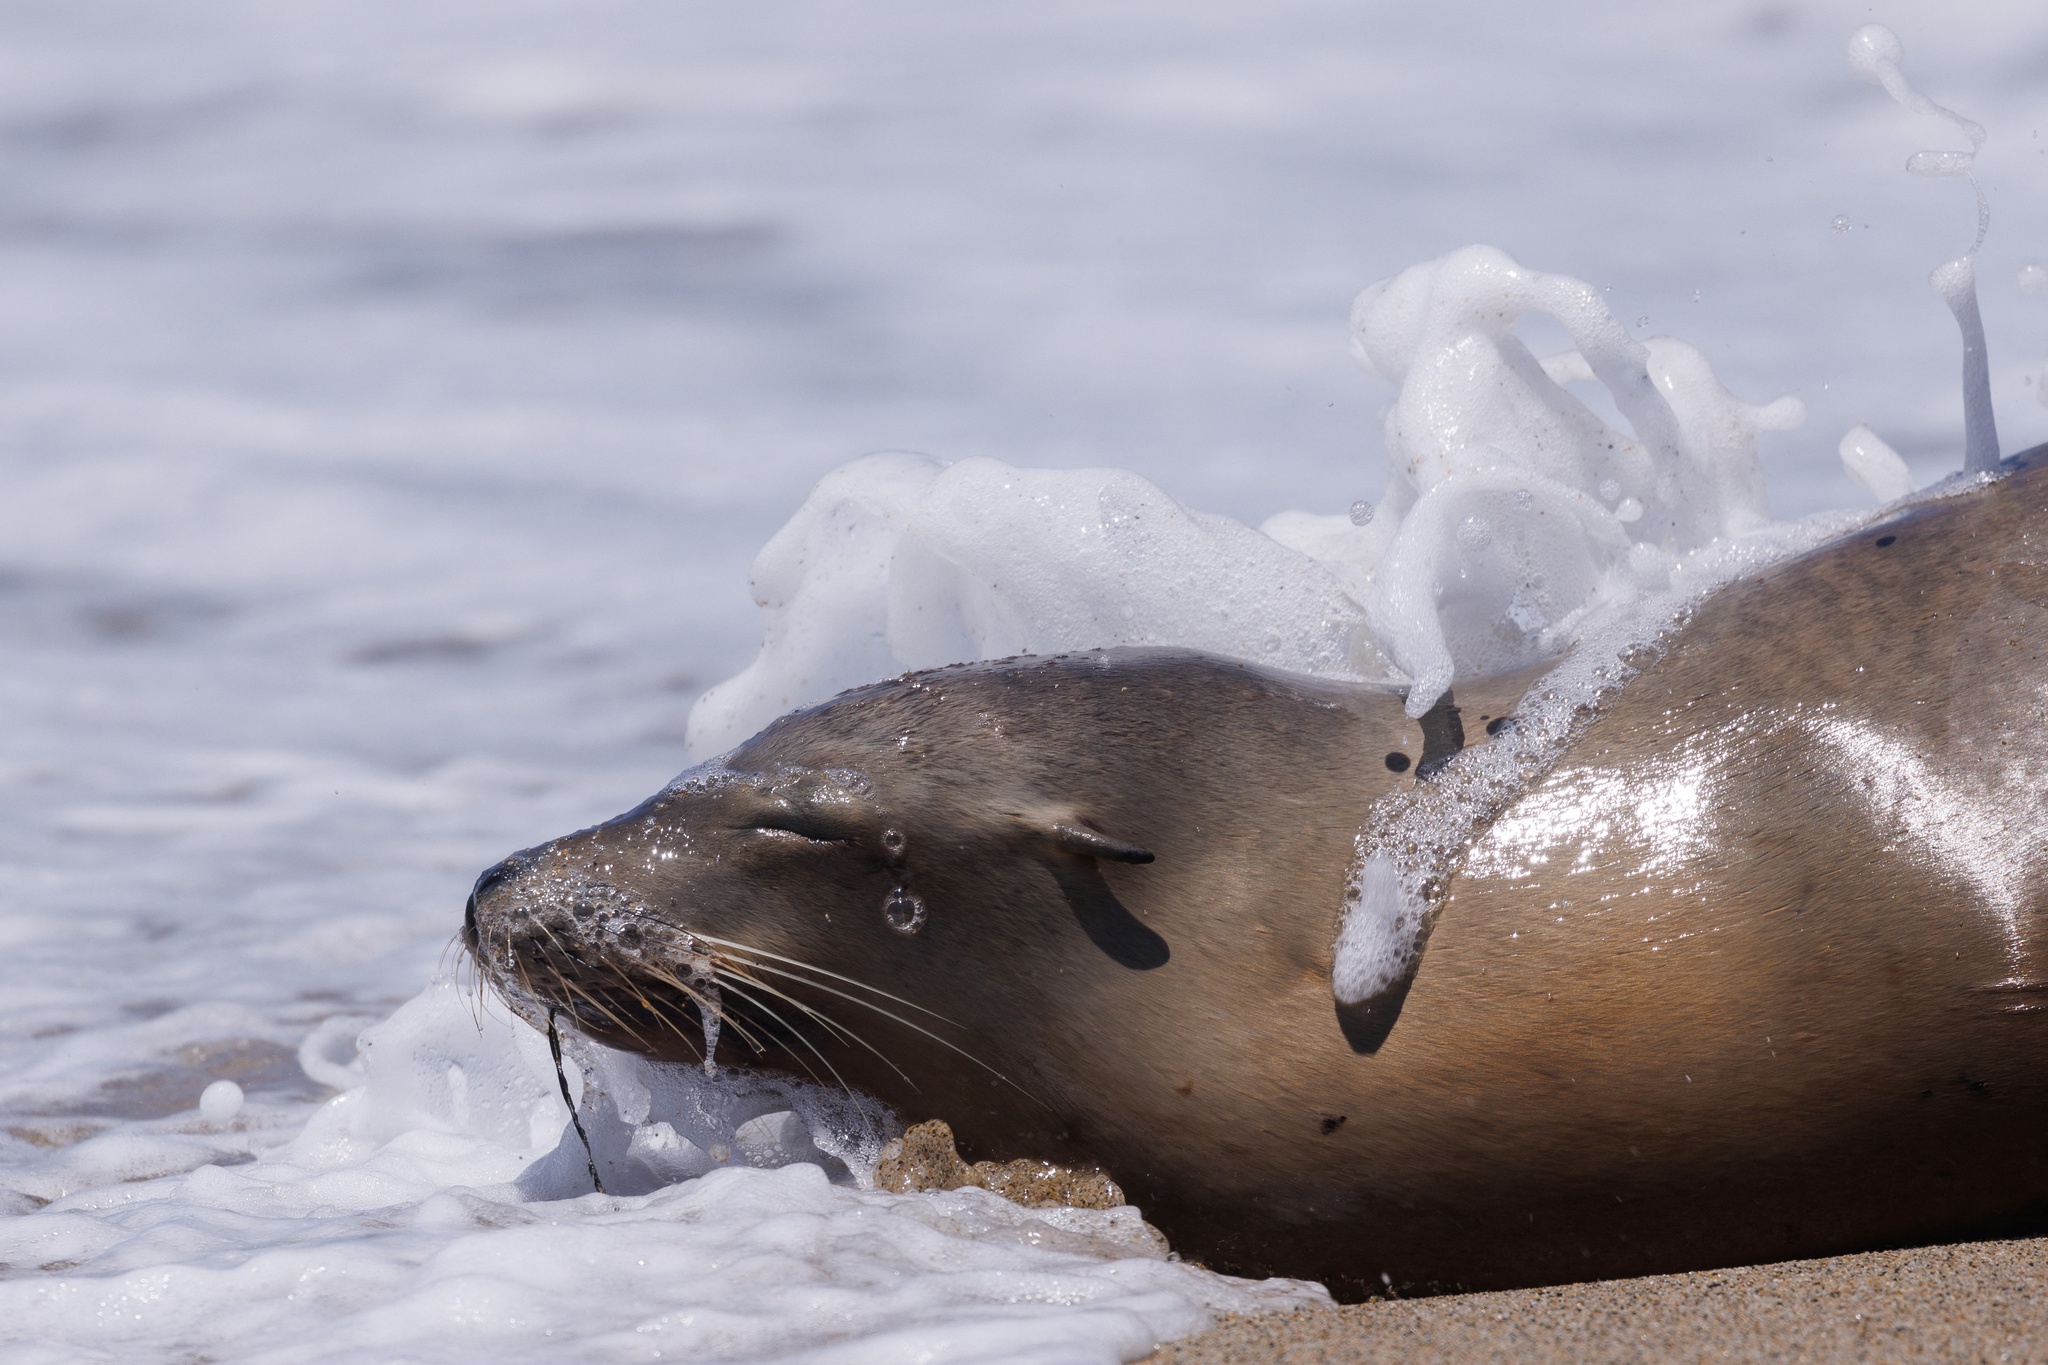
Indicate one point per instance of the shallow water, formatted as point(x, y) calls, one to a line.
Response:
point(391, 399)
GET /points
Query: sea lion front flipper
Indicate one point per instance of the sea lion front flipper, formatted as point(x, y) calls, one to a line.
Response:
point(1072, 853)
point(1109, 926)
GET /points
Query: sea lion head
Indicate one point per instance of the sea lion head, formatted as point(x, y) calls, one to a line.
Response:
point(862, 892)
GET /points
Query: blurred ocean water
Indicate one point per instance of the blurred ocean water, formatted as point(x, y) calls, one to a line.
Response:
point(392, 396)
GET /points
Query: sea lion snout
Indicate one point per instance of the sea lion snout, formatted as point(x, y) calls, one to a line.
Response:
point(554, 935)
point(493, 877)
point(632, 929)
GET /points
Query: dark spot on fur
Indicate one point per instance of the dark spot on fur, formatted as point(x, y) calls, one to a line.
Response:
point(1331, 1123)
point(1498, 724)
point(1883, 541)
point(1397, 762)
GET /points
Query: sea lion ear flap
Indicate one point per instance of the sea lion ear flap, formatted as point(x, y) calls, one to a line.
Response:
point(1082, 842)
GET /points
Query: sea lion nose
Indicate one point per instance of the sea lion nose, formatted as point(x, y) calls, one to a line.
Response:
point(491, 879)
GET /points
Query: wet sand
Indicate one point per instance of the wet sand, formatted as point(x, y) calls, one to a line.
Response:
point(1979, 1301)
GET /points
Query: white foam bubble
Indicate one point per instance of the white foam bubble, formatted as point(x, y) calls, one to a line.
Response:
point(220, 1102)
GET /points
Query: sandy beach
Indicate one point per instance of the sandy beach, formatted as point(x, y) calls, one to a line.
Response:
point(1973, 1302)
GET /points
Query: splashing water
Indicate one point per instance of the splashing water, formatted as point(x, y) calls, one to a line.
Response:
point(1876, 53)
point(1415, 839)
point(1514, 519)
point(1874, 464)
point(1498, 551)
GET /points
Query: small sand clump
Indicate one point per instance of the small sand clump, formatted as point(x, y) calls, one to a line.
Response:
point(924, 1158)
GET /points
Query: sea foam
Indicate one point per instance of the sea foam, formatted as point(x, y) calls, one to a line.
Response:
point(436, 1211)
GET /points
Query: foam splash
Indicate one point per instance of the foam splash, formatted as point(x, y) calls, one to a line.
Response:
point(1876, 54)
point(1874, 464)
point(1512, 520)
point(899, 562)
point(1521, 514)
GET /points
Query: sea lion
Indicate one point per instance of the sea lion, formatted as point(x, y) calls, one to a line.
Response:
point(1754, 972)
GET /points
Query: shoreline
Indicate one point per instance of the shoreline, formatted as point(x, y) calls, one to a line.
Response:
point(1972, 1301)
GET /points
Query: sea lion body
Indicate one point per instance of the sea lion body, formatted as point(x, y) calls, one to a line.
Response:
point(1752, 973)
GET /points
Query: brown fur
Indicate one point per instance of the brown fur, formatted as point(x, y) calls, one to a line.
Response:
point(1723, 987)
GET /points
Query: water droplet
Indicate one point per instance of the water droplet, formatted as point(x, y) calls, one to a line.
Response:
point(903, 912)
point(1523, 497)
point(1610, 489)
point(1474, 533)
point(893, 844)
point(708, 1012)
point(2032, 277)
point(1361, 512)
point(1841, 223)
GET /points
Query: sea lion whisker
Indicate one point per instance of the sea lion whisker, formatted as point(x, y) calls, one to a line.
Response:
point(809, 967)
point(669, 1020)
point(838, 1032)
point(729, 944)
point(674, 1024)
point(661, 1013)
point(887, 1014)
point(851, 1094)
point(725, 943)
point(627, 981)
point(844, 1033)
point(455, 942)
point(724, 1015)
point(819, 985)
point(525, 981)
point(573, 989)
point(473, 992)
point(799, 1036)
